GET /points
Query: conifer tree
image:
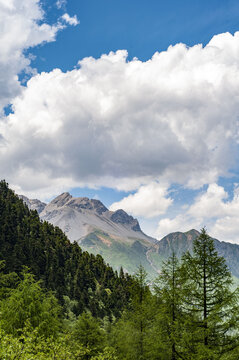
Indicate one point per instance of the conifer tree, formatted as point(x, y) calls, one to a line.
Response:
point(210, 305)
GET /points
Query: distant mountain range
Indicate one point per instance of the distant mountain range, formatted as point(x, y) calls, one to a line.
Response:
point(118, 237)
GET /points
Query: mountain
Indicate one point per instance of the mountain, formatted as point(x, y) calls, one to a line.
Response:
point(118, 237)
point(115, 235)
point(78, 217)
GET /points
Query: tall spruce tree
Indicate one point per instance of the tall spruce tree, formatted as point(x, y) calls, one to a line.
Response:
point(210, 305)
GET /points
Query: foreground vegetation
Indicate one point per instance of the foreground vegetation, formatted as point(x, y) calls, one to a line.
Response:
point(191, 314)
point(57, 302)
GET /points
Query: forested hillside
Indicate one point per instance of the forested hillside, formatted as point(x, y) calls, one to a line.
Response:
point(62, 266)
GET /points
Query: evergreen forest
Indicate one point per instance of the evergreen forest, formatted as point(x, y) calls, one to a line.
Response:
point(58, 302)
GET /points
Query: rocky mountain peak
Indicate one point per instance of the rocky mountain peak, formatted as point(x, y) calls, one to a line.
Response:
point(80, 216)
point(98, 206)
point(121, 217)
point(61, 200)
point(86, 203)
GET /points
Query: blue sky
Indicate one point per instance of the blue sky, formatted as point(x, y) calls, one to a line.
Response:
point(157, 136)
point(141, 28)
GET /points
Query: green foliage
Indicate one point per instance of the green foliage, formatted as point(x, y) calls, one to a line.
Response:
point(30, 305)
point(133, 335)
point(31, 346)
point(88, 332)
point(7, 281)
point(107, 354)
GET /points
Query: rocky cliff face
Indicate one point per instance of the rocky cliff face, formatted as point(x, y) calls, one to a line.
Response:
point(79, 204)
point(121, 217)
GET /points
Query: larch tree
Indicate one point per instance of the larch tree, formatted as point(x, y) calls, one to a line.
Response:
point(210, 306)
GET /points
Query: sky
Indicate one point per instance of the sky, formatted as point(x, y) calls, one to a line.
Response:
point(134, 103)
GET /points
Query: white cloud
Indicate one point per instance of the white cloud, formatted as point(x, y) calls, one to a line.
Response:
point(42, 189)
point(211, 203)
point(149, 201)
point(70, 20)
point(212, 209)
point(22, 27)
point(123, 124)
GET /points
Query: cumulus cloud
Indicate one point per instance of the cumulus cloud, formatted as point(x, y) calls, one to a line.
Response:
point(212, 209)
point(211, 203)
point(70, 20)
point(22, 27)
point(120, 123)
point(149, 201)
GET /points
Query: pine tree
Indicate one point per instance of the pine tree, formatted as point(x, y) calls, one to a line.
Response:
point(210, 305)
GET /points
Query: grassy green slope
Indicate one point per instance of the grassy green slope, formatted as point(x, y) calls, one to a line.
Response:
point(119, 252)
